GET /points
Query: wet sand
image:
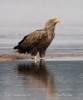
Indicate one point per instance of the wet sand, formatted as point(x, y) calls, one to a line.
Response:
point(16, 57)
point(12, 57)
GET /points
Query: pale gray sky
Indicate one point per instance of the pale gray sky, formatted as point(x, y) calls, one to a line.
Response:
point(37, 12)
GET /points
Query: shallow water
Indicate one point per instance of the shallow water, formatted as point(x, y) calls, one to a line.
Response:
point(49, 80)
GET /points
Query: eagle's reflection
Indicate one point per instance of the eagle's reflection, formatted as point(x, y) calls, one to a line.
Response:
point(38, 76)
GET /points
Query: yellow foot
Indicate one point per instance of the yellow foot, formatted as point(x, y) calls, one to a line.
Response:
point(35, 59)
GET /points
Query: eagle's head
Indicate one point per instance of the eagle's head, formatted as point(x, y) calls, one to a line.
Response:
point(50, 24)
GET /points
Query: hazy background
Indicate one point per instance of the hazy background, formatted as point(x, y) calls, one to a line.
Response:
point(36, 12)
point(20, 17)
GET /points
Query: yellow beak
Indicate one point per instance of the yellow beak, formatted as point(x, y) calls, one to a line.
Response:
point(57, 20)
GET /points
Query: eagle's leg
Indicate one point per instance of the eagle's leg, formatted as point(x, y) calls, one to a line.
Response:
point(42, 54)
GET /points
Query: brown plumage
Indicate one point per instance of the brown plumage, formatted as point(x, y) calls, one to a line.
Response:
point(39, 40)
